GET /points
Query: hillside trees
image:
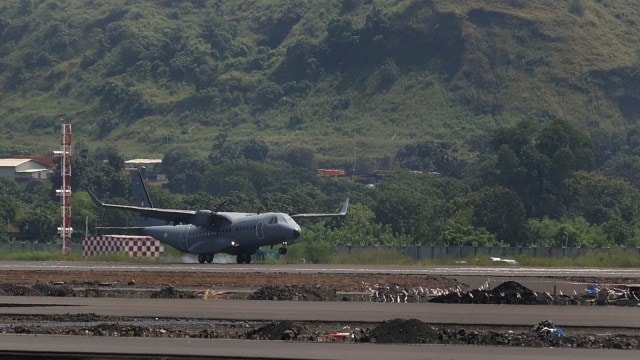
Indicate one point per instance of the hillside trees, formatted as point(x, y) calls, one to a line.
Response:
point(411, 207)
point(431, 156)
point(535, 160)
point(501, 212)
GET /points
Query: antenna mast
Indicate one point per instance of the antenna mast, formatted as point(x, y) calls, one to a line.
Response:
point(64, 192)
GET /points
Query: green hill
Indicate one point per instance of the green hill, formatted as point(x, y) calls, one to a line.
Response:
point(340, 77)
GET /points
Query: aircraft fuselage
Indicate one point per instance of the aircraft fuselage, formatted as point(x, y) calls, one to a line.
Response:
point(243, 235)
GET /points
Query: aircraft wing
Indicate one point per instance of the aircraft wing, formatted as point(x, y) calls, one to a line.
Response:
point(342, 212)
point(175, 216)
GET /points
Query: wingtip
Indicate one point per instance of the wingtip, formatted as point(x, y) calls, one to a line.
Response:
point(344, 208)
point(95, 199)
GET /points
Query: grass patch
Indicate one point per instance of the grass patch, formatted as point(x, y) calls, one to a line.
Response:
point(612, 258)
point(374, 257)
point(55, 255)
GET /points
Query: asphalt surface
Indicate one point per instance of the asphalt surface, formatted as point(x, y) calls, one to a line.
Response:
point(498, 271)
point(525, 315)
point(66, 346)
point(82, 346)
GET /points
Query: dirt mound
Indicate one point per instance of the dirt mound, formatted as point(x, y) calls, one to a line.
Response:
point(403, 331)
point(296, 293)
point(283, 330)
point(545, 334)
point(169, 292)
point(38, 289)
point(509, 292)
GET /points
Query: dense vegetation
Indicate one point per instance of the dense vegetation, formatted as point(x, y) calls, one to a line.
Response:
point(493, 122)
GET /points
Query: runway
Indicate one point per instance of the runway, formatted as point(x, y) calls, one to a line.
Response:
point(334, 311)
point(603, 318)
point(498, 271)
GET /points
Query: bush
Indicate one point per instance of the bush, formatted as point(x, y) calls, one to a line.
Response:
point(577, 8)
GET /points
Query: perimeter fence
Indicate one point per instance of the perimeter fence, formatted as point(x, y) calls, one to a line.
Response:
point(434, 252)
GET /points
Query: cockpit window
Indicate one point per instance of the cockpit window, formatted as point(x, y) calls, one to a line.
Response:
point(273, 220)
point(282, 219)
point(288, 219)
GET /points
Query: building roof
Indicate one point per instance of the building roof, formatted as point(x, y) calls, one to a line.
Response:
point(44, 160)
point(143, 161)
point(12, 162)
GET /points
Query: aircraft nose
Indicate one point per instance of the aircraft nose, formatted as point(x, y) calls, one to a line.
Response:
point(296, 233)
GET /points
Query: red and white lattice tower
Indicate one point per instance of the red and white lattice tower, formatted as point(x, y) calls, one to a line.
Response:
point(64, 192)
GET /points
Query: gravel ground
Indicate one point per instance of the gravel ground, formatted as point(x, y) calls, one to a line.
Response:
point(300, 287)
point(409, 331)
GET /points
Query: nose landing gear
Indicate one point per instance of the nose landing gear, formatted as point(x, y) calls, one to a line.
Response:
point(243, 258)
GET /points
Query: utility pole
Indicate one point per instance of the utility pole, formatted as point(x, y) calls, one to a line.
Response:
point(64, 192)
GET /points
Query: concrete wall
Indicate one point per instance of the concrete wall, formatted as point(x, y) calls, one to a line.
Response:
point(432, 252)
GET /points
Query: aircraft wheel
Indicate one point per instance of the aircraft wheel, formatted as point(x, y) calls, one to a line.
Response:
point(282, 251)
point(209, 258)
point(243, 258)
point(201, 258)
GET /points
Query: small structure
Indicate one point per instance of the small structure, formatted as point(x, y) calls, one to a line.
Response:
point(143, 162)
point(25, 169)
point(332, 172)
point(134, 246)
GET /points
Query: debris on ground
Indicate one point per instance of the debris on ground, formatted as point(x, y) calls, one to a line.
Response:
point(509, 292)
point(170, 292)
point(547, 329)
point(295, 293)
point(38, 289)
point(403, 331)
point(406, 331)
point(283, 330)
point(617, 294)
point(508, 261)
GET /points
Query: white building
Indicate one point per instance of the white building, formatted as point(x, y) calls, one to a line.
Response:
point(24, 169)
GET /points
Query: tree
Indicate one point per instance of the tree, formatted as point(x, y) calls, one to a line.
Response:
point(224, 150)
point(301, 157)
point(455, 233)
point(600, 198)
point(8, 209)
point(568, 231)
point(534, 161)
point(410, 207)
point(431, 156)
point(256, 150)
point(40, 222)
point(501, 212)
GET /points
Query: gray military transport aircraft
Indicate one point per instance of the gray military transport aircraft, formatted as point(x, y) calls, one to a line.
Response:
point(206, 232)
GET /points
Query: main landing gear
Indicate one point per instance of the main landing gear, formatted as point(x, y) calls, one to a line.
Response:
point(205, 257)
point(243, 258)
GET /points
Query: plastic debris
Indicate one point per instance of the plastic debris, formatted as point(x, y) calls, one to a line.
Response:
point(546, 328)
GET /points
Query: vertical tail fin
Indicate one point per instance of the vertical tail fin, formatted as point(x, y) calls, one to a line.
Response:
point(141, 198)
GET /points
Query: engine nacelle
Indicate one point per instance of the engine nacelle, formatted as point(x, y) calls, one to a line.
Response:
point(202, 218)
